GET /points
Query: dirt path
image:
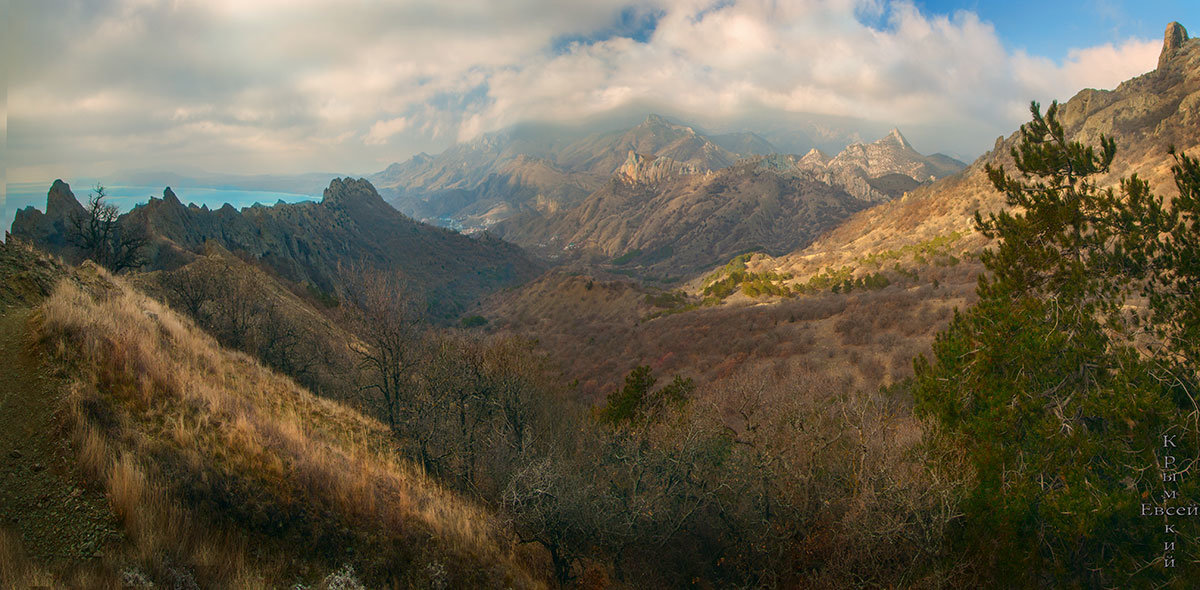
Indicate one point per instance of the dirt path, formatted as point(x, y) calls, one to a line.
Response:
point(43, 500)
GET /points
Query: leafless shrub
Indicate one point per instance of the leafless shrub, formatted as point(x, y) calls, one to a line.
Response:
point(100, 237)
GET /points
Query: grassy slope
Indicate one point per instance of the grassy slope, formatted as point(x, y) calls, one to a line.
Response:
point(48, 511)
point(298, 317)
point(224, 473)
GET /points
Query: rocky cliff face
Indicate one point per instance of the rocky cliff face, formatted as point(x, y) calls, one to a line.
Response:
point(1173, 39)
point(650, 169)
point(814, 159)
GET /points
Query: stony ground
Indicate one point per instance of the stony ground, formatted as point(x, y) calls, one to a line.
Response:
point(43, 499)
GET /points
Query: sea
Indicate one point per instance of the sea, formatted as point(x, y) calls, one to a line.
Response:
point(126, 197)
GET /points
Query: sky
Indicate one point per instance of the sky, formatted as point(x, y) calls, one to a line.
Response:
point(96, 87)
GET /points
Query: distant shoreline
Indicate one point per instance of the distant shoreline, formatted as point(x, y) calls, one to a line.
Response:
point(126, 197)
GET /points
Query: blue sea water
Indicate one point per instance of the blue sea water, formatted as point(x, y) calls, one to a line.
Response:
point(125, 197)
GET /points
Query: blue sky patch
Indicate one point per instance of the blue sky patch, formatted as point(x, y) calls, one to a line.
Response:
point(631, 23)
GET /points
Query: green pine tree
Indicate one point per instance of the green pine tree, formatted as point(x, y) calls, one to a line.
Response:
point(1041, 383)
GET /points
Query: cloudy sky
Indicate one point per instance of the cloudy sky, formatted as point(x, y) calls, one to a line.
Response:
point(286, 86)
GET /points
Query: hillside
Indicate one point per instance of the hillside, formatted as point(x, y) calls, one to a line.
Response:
point(1146, 115)
point(306, 242)
point(666, 217)
point(248, 308)
point(190, 465)
point(598, 328)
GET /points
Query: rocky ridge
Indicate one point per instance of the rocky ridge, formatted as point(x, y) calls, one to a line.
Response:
point(880, 170)
point(306, 243)
point(505, 174)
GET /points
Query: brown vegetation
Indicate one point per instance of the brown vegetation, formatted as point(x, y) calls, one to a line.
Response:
point(227, 474)
point(597, 335)
point(249, 309)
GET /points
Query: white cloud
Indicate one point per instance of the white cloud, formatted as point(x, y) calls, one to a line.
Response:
point(282, 85)
point(382, 130)
point(1093, 67)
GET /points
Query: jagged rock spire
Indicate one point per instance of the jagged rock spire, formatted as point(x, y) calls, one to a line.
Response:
point(169, 197)
point(61, 202)
point(1173, 39)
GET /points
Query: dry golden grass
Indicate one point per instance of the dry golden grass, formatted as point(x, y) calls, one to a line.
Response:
point(204, 453)
point(16, 570)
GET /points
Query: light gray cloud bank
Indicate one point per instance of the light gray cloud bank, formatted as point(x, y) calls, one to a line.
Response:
point(304, 85)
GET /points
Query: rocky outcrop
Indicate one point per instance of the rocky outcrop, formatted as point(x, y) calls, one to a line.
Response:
point(49, 229)
point(1173, 39)
point(650, 169)
point(815, 158)
point(61, 202)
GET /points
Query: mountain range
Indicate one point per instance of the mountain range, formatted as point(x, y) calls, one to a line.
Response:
point(503, 175)
point(668, 197)
point(307, 243)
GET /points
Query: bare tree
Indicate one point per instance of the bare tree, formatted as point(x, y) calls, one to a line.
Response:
point(380, 311)
point(555, 503)
point(191, 288)
point(287, 345)
point(98, 233)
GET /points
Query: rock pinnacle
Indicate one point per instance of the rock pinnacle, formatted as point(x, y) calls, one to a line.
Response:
point(1173, 38)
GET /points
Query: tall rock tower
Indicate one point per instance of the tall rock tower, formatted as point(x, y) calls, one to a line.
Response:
point(1173, 39)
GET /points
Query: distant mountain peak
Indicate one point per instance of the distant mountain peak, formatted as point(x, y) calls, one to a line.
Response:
point(655, 119)
point(657, 123)
point(815, 157)
point(894, 137)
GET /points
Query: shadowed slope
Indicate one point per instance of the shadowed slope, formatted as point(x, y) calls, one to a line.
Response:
point(223, 472)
